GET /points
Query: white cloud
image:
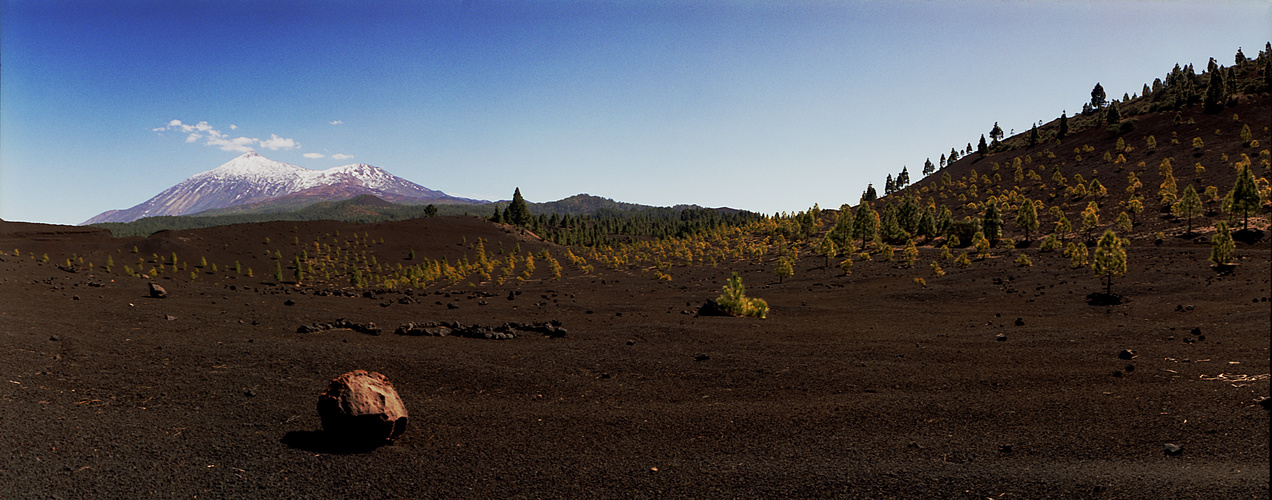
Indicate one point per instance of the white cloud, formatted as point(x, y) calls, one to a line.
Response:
point(313, 156)
point(335, 122)
point(225, 142)
point(276, 143)
point(341, 156)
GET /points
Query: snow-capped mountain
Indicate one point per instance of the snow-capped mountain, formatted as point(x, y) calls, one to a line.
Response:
point(253, 179)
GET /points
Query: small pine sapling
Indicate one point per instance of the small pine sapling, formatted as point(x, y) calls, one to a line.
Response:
point(1022, 260)
point(1221, 245)
point(936, 269)
point(785, 268)
point(1078, 254)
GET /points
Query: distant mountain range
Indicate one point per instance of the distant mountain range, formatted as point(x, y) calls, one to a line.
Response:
point(252, 183)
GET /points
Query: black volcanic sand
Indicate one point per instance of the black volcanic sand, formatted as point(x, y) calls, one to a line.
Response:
point(860, 386)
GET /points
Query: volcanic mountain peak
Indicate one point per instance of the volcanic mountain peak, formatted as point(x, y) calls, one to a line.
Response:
point(252, 178)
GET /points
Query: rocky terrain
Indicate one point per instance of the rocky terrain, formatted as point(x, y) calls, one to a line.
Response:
point(993, 381)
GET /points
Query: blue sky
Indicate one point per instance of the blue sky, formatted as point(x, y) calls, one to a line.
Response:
point(762, 105)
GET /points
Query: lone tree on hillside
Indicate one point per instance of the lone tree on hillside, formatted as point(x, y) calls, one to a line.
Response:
point(981, 147)
point(1033, 136)
point(928, 168)
point(1245, 196)
point(996, 133)
point(785, 267)
point(1110, 259)
point(1188, 206)
point(518, 212)
point(1064, 126)
point(1097, 97)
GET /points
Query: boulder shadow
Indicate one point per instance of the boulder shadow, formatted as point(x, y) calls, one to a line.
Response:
point(1106, 299)
point(325, 442)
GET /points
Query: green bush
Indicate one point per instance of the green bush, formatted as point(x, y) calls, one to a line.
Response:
point(733, 300)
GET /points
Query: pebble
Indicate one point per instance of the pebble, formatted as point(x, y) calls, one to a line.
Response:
point(1126, 354)
point(1001, 337)
point(1173, 450)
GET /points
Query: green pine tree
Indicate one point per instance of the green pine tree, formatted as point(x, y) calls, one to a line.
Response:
point(1221, 245)
point(1188, 206)
point(1245, 196)
point(1110, 259)
point(518, 211)
point(1027, 218)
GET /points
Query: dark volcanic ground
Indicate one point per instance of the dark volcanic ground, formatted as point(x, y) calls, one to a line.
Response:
point(859, 386)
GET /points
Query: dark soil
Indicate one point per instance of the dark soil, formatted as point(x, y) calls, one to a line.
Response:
point(994, 381)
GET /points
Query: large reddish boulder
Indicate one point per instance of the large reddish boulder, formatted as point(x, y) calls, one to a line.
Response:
point(362, 408)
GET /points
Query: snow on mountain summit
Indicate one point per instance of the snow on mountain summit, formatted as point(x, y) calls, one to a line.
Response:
point(251, 178)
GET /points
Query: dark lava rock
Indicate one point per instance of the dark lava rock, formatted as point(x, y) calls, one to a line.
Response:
point(452, 305)
point(1265, 402)
point(1002, 337)
point(169, 317)
point(1173, 450)
point(1020, 321)
point(712, 308)
point(1196, 330)
point(289, 302)
point(157, 291)
point(701, 357)
point(1126, 354)
point(362, 408)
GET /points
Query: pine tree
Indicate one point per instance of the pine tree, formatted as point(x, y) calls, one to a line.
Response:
point(942, 160)
point(518, 211)
point(828, 249)
point(927, 224)
point(278, 272)
point(1110, 259)
point(1064, 126)
point(1090, 218)
point(1168, 188)
point(1113, 117)
point(992, 222)
point(1027, 217)
point(1123, 222)
point(497, 218)
point(1245, 195)
point(889, 186)
point(981, 148)
point(928, 168)
point(1097, 97)
point(430, 210)
point(1214, 89)
point(910, 253)
point(866, 223)
point(996, 133)
point(298, 273)
point(1033, 136)
point(785, 268)
point(1188, 206)
point(1221, 245)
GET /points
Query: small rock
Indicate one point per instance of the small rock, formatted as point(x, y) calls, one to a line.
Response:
point(169, 317)
point(1172, 450)
point(452, 305)
point(629, 342)
point(289, 302)
point(1020, 321)
point(1129, 368)
point(1196, 330)
point(75, 297)
point(157, 291)
point(54, 338)
point(701, 357)
point(1006, 448)
point(1001, 337)
point(1126, 354)
point(1264, 401)
point(1117, 374)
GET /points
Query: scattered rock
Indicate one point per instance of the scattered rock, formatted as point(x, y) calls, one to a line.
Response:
point(1126, 354)
point(1117, 374)
point(712, 308)
point(289, 302)
point(1002, 337)
point(362, 407)
point(157, 291)
point(1172, 450)
point(1020, 321)
point(1264, 401)
point(54, 338)
point(1196, 330)
point(1006, 448)
point(1129, 368)
point(701, 357)
point(452, 305)
point(631, 342)
point(75, 297)
point(169, 317)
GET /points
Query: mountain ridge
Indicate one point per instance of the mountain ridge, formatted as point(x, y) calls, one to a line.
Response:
point(253, 179)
